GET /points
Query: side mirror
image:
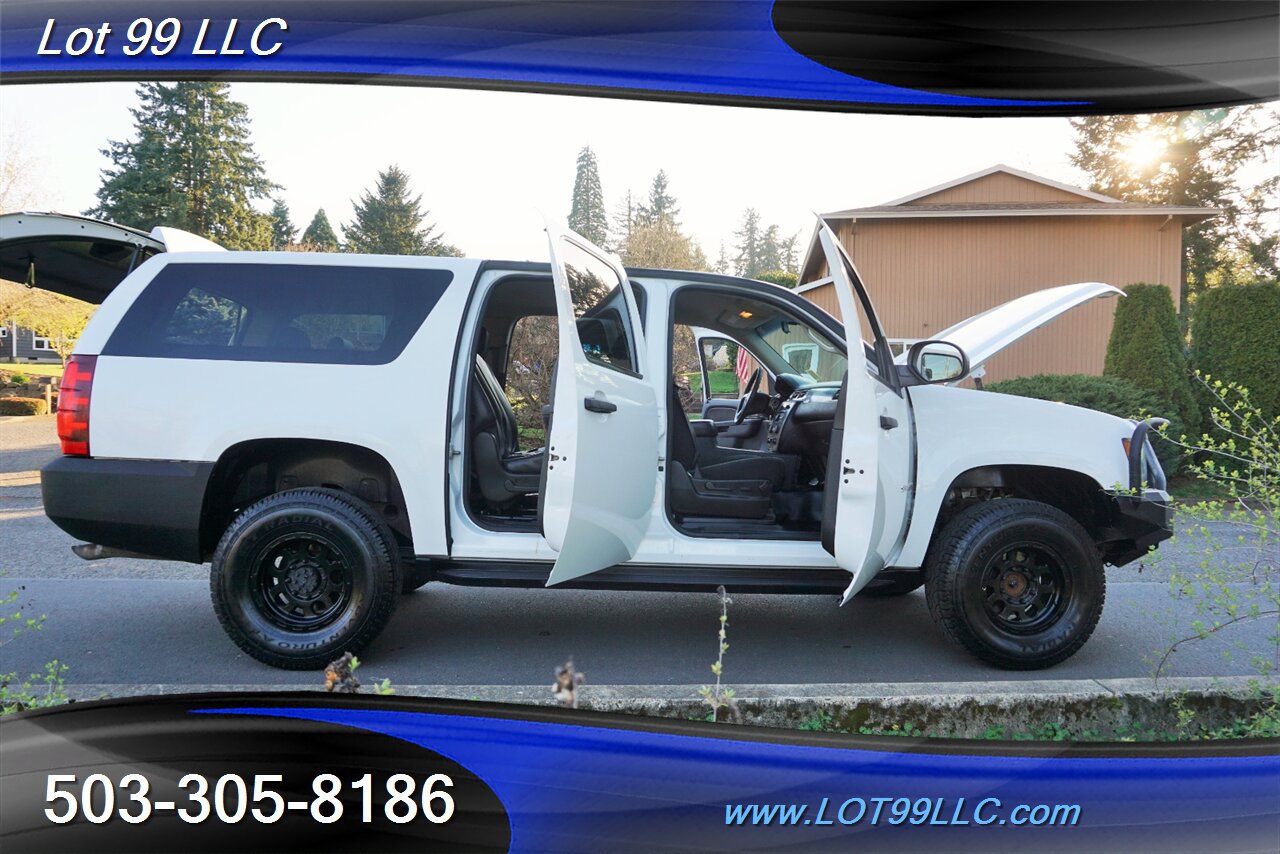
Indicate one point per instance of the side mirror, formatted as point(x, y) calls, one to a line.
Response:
point(937, 361)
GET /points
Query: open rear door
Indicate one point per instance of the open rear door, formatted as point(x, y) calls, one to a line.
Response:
point(871, 422)
point(71, 255)
point(601, 466)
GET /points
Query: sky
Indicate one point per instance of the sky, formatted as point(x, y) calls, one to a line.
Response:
point(488, 163)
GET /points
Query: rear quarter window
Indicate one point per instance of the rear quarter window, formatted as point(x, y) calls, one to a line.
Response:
point(335, 314)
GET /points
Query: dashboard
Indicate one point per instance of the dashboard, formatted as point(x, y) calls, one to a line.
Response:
point(802, 423)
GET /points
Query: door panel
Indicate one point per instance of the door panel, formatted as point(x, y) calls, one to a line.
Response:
point(865, 504)
point(602, 449)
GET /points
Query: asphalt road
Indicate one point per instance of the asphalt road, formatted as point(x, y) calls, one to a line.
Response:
point(145, 622)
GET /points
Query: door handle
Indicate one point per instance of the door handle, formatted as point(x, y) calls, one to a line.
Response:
point(887, 423)
point(596, 404)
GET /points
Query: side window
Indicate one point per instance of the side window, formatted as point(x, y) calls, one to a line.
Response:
point(720, 356)
point(604, 323)
point(318, 313)
point(686, 369)
point(204, 319)
point(364, 332)
point(531, 356)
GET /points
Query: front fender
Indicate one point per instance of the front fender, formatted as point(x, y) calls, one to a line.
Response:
point(959, 429)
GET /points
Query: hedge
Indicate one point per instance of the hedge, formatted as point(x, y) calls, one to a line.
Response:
point(1146, 349)
point(1235, 337)
point(1105, 394)
point(23, 406)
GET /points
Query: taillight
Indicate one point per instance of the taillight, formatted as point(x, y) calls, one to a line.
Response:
point(73, 405)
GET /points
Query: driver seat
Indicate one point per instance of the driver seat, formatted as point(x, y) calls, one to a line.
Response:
point(709, 480)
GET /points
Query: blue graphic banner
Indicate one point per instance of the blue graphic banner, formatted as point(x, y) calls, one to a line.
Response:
point(973, 58)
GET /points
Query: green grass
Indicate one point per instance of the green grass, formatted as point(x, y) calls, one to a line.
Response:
point(1191, 488)
point(722, 382)
point(32, 369)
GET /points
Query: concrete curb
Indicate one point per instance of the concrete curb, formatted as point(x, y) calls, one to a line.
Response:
point(1107, 707)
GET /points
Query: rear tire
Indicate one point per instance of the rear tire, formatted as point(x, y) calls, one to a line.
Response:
point(303, 576)
point(1018, 583)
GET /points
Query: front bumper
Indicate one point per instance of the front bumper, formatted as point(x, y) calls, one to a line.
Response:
point(1139, 521)
point(151, 507)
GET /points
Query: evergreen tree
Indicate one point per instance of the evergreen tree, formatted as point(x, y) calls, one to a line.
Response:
point(320, 233)
point(586, 214)
point(747, 262)
point(283, 231)
point(1146, 348)
point(661, 205)
point(389, 221)
point(191, 165)
point(722, 260)
point(1192, 159)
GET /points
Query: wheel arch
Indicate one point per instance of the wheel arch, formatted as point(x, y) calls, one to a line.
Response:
point(1075, 493)
point(251, 470)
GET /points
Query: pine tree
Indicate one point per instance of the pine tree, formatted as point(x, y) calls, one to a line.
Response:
point(1192, 159)
point(722, 260)
point(391, 222)
point(587, 215)
point(747, 262)
point(320, 233)
point(661, 205)
point(283, 231)
point(191, 165)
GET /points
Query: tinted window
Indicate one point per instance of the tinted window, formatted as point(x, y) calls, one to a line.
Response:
point(604, 324)
point(279, 313)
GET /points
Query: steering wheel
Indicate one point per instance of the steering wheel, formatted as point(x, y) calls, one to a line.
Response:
point(753, 384)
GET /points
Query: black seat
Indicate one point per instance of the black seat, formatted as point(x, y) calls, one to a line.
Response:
point(501, 470)
point(708, 480)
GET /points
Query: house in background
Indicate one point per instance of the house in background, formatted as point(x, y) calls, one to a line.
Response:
point(936, 257)
point(19, 344)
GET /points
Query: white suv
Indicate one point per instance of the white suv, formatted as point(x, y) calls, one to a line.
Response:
point(332, 429)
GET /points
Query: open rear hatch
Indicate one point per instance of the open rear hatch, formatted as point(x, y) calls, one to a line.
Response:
point(73, 255)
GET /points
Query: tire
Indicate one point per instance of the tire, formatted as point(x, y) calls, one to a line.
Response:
point(303, 576)
point(894, 585)
point(1017, 583)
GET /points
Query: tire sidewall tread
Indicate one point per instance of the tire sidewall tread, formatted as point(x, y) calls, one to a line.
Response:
point(367, 543)
point(962, 550)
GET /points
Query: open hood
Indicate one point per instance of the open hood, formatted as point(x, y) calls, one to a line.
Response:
point(985, 334)
point(81, 257)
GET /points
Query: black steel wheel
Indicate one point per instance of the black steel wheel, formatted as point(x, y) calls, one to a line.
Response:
point(303, 576)
point(1018, 583)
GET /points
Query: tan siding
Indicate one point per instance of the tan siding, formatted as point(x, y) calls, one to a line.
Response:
point(924, 275)
point(998, 187)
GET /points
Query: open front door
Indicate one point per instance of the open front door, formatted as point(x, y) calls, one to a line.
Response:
point(601, 466)
point(862, 517)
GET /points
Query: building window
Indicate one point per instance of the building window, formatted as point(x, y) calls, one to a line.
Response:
point(803, 358)
point(41, 343)
point(4, 332)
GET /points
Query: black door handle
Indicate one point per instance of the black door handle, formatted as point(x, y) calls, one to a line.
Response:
point(887, 423)
point(595, 404)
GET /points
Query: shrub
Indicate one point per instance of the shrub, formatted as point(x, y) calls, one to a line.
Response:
point(1146, 349)
point(19, 379)
point(1105, 394)
point(23, 406)
point(1235, 337)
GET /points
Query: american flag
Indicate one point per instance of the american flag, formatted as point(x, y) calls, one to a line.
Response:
point(744, 366)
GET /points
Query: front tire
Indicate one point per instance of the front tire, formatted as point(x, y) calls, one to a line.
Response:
point(1018, 583)
point(303, 576)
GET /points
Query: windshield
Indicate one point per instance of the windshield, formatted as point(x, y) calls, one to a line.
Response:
point(805, 350)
